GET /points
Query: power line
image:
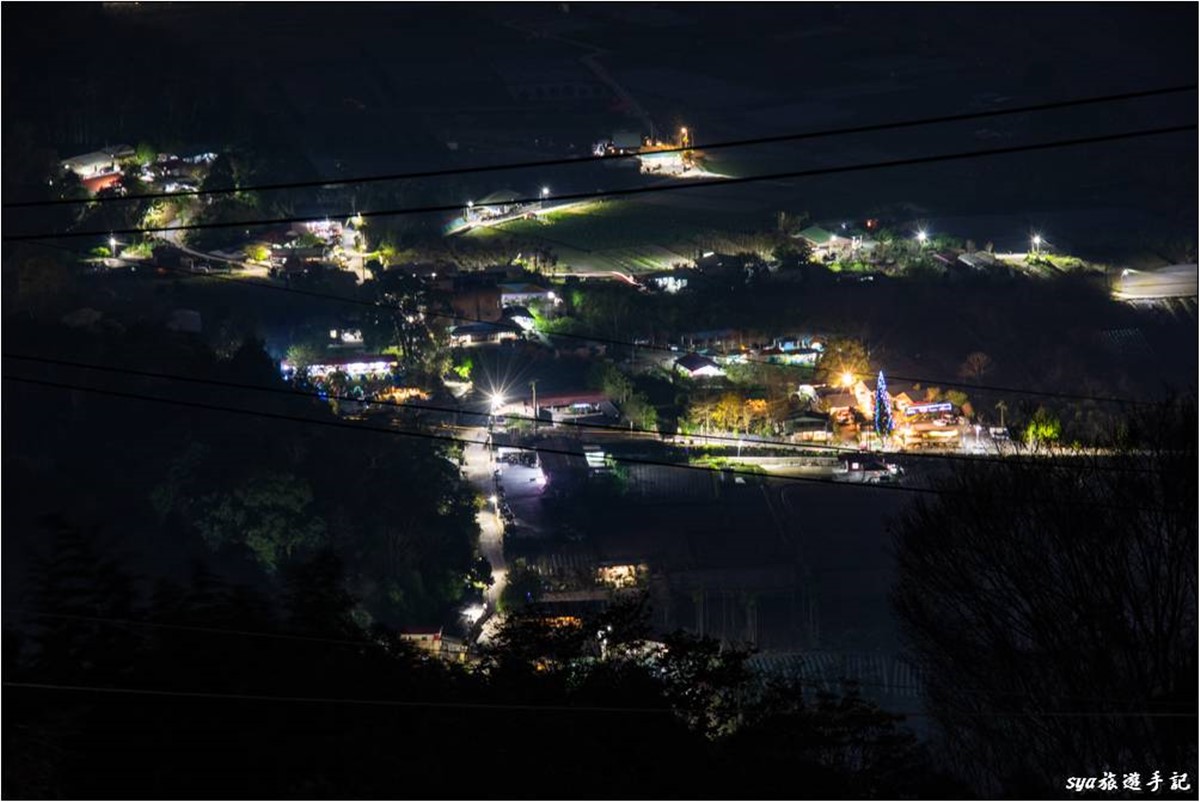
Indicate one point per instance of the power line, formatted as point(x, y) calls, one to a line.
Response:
point(1040, 462)
point(377, 305)
point(421, 435)
point(765, 674)
point(574, 160)
point(536, 449)
point(703, 183)
point(246, 697)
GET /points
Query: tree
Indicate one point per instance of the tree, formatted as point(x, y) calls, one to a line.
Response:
point(1043, 428)
point(757, 412)
point(792, 254)
point(730, 413)
point(43, 281)
point(640, 412)
point(1051, 606)
point(975, 365)
point(301, 355)
point(700, 412)
point(222, 174)
point(523, 585)
point(617, 385)
point(463, 369)
point(1002, 407)
point(145, 154)
point(883, 408)
point(842, 355)
point(258, 252)
point(270, 514)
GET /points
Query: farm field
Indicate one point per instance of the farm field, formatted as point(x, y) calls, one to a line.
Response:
point(633, 236)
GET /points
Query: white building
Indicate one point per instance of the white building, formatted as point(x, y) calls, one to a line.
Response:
point(100, 162)
point(695, 366)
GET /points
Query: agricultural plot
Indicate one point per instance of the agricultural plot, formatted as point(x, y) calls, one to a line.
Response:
point(626, 235)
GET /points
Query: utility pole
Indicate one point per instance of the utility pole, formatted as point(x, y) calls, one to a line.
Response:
point(533, 386)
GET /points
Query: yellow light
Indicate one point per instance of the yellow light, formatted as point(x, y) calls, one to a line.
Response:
point(847, 379)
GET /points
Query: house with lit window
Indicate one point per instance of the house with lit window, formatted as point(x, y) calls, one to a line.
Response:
point(695, 366)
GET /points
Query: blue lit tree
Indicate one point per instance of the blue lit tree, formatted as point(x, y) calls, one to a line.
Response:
point(883, 408)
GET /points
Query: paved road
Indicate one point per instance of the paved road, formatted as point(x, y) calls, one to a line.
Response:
point(478, 469)
point(545, 208)
point(1176, 281)
point(175, 239)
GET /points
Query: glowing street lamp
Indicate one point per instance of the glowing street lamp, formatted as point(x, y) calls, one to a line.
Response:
point(1037, 243)
point(847, 379)
point(112, 246)
point(497, 402)
point(922, 237)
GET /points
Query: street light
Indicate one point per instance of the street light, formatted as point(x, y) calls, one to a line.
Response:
point(922, 237)
point(1037, 243)
point(112, 246)
point(497, 402)
point(847, 379)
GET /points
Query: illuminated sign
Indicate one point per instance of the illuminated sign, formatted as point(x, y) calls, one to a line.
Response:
point(919, 409)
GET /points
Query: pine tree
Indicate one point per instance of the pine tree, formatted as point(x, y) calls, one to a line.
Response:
point(883, 408)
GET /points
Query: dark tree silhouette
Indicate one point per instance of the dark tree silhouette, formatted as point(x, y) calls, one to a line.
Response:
point(1053, 609)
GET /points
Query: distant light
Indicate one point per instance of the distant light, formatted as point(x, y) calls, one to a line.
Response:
point(545, 192)
point(551, 295)
point(922, 236)
point(473, 613)
point(1037, 240)
point(494, 499)
point(470, 204)
point(847, 379)
point(497, 401)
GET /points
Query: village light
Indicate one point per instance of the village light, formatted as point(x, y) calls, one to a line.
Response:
point(1037, 242)
point(921, 237)
point(545, 192)
point(473, 613)
point(112, 245)
point(497, 401)
point(847, 379)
